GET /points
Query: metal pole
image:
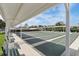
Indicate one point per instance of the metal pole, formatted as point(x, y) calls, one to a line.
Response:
point(21, 32)
point(7, 38)
point(67, 29)
point(8, 41)
point(6, 44)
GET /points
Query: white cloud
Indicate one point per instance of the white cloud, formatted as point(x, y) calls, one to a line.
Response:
point(50, 16)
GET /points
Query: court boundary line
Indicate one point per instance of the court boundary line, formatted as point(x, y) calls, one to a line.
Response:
point(43, 36)
point(42, 42)
point(49, 40)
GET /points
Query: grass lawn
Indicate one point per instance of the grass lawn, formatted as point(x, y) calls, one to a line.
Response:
point(1, 42)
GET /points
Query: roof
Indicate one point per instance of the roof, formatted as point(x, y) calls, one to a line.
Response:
point(15, 13)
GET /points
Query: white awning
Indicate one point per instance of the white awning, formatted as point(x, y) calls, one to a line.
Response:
point(15, 13)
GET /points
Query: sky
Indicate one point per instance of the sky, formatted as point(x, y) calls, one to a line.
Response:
point(48, 17)
point(74, 13)
point(55, 14)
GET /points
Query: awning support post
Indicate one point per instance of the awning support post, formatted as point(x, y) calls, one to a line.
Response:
point(67, 41)
point(21, 32)
point(7, 39)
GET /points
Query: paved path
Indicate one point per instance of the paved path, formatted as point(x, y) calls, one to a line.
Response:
point(74, 48)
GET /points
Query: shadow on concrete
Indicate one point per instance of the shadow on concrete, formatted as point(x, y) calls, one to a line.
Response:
point(51, 49)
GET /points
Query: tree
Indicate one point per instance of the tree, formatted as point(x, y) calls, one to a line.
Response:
point(26, 25)
point(40, 25)
point(60, 24)
point(74, 29)
point(2, 24)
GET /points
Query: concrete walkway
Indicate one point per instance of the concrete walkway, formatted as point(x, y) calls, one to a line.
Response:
point(26, 49)
point(74, 48)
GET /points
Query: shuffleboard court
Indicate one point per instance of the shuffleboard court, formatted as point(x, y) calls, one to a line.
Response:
point(45, 35)
point(54, 47)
